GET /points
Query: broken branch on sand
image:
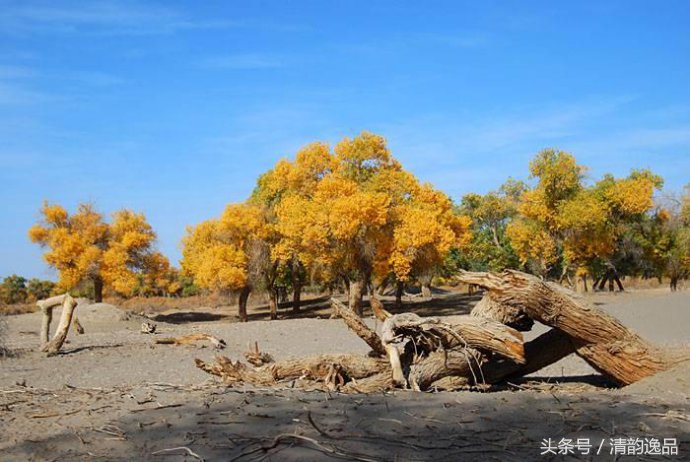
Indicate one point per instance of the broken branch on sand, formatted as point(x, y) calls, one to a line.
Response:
point(191, 339)
point(482, 348)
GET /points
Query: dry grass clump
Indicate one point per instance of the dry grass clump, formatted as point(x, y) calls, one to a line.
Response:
point(17, 308)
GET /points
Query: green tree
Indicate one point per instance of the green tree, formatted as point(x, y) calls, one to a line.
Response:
point(38, 289)
point(669, 239)
point(13, 290)
point(490, 249)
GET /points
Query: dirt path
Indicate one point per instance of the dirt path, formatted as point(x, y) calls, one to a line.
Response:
point(133, 399)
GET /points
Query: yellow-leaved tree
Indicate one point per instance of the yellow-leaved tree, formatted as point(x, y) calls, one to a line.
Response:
point(230, 253)
point(535, 233)
point(565, 227)
point(348, 215)
point(83, 248)
point(425, 230)
point(354, 215)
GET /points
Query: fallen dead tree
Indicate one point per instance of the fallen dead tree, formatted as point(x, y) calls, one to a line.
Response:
point(485, 347)
point(600, 339)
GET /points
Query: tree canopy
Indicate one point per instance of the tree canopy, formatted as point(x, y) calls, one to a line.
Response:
point(349, 214)
point(84, 248)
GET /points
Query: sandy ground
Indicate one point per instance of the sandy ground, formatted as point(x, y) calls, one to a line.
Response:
point(113, 395)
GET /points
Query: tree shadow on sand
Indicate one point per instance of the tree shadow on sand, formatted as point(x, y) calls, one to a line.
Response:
point(72, 351)
point(286, 425)
point(443, 304)
point(184, 317)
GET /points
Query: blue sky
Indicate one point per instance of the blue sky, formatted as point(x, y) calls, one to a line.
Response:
point(174, 108)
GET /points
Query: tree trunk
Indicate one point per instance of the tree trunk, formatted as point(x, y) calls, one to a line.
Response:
point(441, 364)
point(273, 303)
point(619, 283)
point(602, 282)
point(46, 306)
point(674, 284)
point(494, 235)
point(570, 281)
point(355, 296)
point(381, 289)
point(426, 290)
point(45, 325)
point(296, 285)
point(242, 303)
point(544, 350)
point(490, 308)
point(399, 290)
point(97, 289)
point(602, 340)
point(68, 306)
point(595, 283)
point(580, 285)
point(296, 294)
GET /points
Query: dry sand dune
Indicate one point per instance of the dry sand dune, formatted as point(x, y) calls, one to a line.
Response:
point(113, 395)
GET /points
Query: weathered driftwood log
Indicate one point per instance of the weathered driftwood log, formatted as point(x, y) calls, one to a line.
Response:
point(489, 307)
point(355, 323)
point(464, 331)
point(68, 306)
point(315, 369)
point(419, 338)
point(191, 339)
point(546, 349)
point(543, 351)
point(465, 363)
point(420, 352)
point(427, 353)
point(375, 383)
point(46, 306)
point(600, 339)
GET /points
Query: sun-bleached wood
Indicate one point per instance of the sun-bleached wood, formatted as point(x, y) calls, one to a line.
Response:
point(46, 306)
point(68, 306)
point(355, 323)
point(606, 344)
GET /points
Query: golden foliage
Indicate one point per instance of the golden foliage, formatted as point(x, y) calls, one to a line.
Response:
point(355, 211)
point(216, 253)
point(562, 219)
point(84, 247)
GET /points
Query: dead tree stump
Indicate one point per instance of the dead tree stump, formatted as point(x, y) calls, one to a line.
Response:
point(68, 306)
point(46, 306)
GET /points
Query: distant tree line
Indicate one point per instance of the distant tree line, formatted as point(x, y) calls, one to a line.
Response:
point(567, 229)
point(16, 289)
point(351, 218)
